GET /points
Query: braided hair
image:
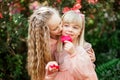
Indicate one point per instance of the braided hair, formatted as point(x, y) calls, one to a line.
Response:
point(38, 42)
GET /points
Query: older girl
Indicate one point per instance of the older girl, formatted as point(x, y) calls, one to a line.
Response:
point(43, 32)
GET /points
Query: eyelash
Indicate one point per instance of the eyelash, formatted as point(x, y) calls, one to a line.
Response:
point(75, 27)
point(66, 25)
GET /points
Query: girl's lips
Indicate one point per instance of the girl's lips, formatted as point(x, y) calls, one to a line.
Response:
point(66, 38)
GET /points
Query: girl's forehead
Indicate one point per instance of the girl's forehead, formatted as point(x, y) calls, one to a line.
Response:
point(54, 21)
point(72, 22)
point(72, 19)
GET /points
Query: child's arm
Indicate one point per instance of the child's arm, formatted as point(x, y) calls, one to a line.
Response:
point(81, 65)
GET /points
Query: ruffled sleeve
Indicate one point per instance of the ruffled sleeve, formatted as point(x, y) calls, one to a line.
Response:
point(88, 48)
point(81, 66)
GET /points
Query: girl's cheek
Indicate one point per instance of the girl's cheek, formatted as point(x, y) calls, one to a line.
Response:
point(63, 32)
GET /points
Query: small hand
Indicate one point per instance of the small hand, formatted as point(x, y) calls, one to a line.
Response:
point(69, 47)
point(52, 67)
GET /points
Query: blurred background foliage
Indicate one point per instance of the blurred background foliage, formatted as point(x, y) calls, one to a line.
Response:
point(102, 31)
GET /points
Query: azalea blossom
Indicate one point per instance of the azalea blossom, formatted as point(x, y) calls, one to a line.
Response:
point(34, 5)
point(65, 9)
point(58, 1)
point(1, 16)
point(78, 1)
point(92, 1)
point(77, 6)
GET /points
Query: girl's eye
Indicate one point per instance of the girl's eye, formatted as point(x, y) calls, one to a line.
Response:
point(66, 25)
point(75, 27)
point(56, 28)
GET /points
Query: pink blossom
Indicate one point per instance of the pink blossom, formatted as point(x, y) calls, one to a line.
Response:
point(1, 16)
point(58, 1)
point(92, 1)
point(77, 6)
point(34, 5)
point(78, 1)
point(65, 9)
point(15, 8)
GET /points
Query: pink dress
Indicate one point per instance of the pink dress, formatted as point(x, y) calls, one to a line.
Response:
point(74, 67)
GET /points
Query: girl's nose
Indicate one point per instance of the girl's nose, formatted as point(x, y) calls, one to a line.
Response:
point(70, 29)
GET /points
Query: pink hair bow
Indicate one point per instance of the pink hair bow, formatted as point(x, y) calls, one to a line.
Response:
point(75, 8)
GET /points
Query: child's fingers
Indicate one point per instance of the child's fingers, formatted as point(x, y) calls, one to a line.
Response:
point(50, 65)
point(68, 45)
point(54, 67)
point(67, 41)
point(54, 70)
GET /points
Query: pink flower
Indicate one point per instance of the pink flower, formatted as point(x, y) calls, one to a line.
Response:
point(0, 0)
point(58, 1)
point(92, 1)
point(78, 1)
point(34, 5)
point(77, 6)
point(15, 8)
point(1, 16)
point(66, 38)
point(65, 9)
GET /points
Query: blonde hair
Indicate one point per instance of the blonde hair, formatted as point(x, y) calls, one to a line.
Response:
point(38, 42)
point(76, 18)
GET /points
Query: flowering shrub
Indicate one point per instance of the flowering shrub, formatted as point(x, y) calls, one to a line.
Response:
point(1, 15)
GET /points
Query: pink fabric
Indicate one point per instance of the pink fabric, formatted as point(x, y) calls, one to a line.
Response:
point(74, 67)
